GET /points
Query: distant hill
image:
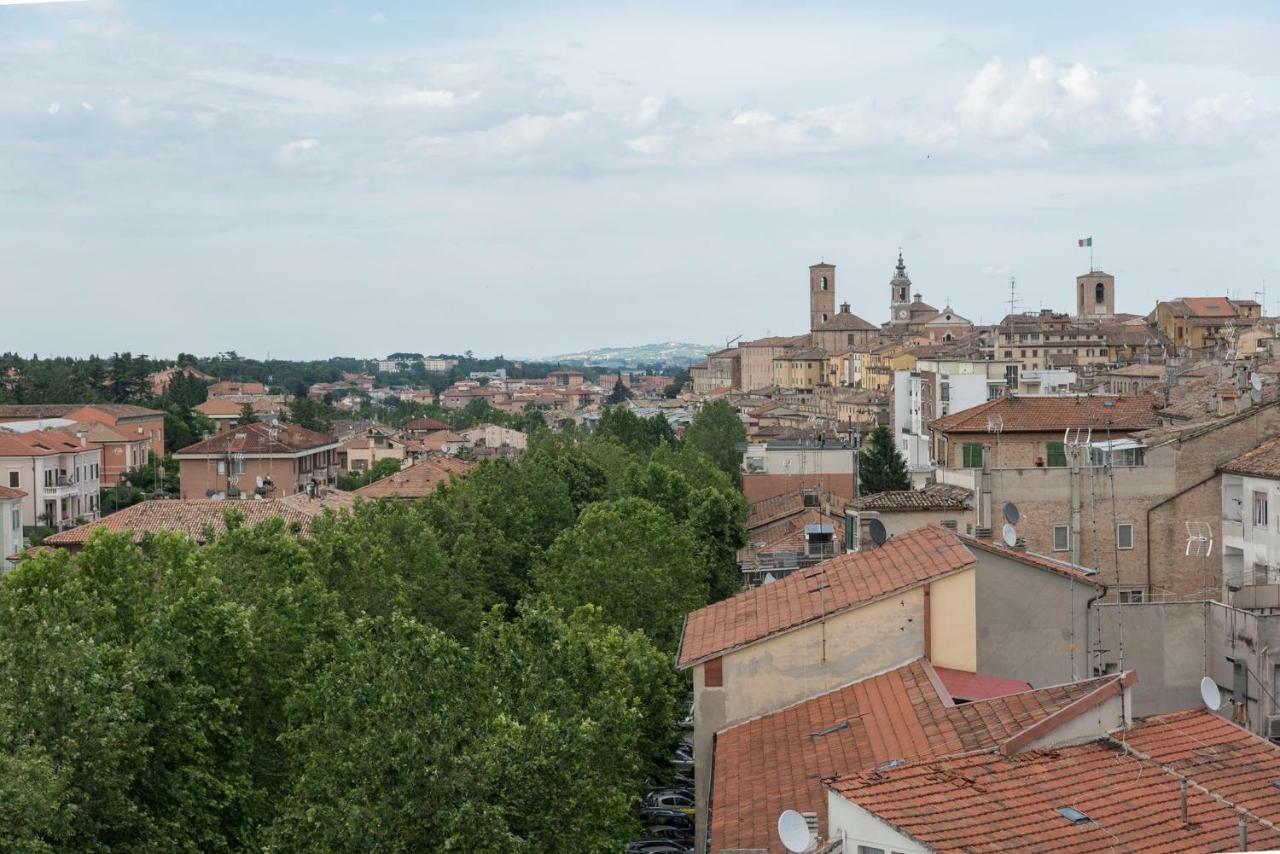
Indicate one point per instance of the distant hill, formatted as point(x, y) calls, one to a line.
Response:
point(674, 353)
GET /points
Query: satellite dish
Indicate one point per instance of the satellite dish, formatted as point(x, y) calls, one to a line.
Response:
point(1209, 694)
point(793, 830)
point(878, 532)
point(1011, 514)
point(1255, 380)
point(1009, 535)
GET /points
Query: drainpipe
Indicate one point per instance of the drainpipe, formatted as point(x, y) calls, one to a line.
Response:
point(1163, 502)
point(1088, 606)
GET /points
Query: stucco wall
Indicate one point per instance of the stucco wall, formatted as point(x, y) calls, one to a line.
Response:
point(855, 826)
point(953, 641)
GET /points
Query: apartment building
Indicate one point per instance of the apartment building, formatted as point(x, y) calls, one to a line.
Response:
point(10, 524)
point(1199, 323)
point(142, 425)
point(257, 459)
point(58, 472)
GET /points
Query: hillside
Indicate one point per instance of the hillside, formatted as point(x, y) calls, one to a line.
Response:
point(674, 353)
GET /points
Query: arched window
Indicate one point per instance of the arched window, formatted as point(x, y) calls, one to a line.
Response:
point(824, 317)
point(824, 283)
point(1100, 293)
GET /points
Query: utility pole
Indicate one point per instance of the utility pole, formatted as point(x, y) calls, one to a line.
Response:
point(855, 440)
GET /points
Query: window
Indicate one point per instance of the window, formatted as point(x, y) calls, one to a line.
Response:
point(1055, 454)
point(1260, 510)
point(1124, 535)
point(869, 849)
point(1100, 293)
point(971, 456)
point(239, 466)
point(1131, 596)
point(17, 518)
point(824, 317)
point(945, 390)
point(823, 284)
point(713, 673)
point(14, 479)
point(1061, 538)
point(222, 467)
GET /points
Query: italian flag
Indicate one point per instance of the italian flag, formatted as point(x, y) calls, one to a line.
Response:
point(1085, 241)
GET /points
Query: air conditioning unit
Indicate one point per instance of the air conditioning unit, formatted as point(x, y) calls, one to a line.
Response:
point(1273, 726)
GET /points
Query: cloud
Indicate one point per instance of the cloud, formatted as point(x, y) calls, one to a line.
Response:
point(53, 108)
point(293, 152)
point(1143, 108)
point(377, 18)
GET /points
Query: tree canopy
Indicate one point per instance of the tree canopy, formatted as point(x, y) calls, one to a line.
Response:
point(881, 467)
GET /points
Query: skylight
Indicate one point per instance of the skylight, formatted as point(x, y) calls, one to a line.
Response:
point(1072, 815)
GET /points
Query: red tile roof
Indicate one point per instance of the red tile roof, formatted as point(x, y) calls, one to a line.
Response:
point(260, 438)
point(1209, 306)
point(935, 496)
point(8, 493)
point(1053, 414)
point(424, 424)
point(778, 761)
point(41, 443)
point(193, 516)
point(989, 802)
point(845, 582)
point(977, 686)
point(215, 406)
point(418, 480)
point(1262, 461)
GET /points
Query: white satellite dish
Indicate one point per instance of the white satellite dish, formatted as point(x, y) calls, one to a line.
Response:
point(793, 830)
point(1210, 694)
point(1009, 535)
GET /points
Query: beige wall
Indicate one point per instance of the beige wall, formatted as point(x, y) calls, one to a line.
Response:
point(196, 477)
point(952, 621)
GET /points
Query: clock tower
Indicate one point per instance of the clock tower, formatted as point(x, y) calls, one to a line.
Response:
point(899, 295)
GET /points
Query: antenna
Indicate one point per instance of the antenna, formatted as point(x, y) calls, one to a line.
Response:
point(1209, 695)
point(793, 830)
point(877, 531)
point(1199, 539)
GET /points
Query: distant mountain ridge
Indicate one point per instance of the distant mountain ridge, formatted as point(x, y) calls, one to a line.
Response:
point(674, 353)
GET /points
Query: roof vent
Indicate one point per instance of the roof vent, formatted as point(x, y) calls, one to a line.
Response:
point(1072, 815)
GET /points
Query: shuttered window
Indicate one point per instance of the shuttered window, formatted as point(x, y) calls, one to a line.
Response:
point(1056, 454)
point(971, 456)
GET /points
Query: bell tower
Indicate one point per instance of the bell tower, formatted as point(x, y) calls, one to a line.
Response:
point(1095, 294)
point(899, 294)
point(822, 294)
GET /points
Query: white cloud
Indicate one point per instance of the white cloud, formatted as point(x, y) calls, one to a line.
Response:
point(53, 108)
point(292, 152)
point(1143, 109)
point(377, 18)
point(431, 98)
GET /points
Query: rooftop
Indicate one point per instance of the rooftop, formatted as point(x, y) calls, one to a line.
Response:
point(418, 480)
point(1262, 461)
point(845, 582)
point(1128, 799)
point(935, 496)
point(9, 494)
point(194, 516)
point(259, 438)
point(778, 761)
point(58, 410)
point(1041, 414)
point(41, 443)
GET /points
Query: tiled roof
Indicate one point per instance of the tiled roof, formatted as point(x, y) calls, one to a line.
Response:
point(778, 761)
point(1062, 567)
point(193, 516)
point(217, 406)
point(259, 438)
point(978, 686)
point(41, 443)
point(935, 496)
point(1140, 370)
point(425, 424)
point(418, 480)
point(58, 410)
point(8, 493)
point(768, 510)
point(1132, 798)
point(845, 321)
point(845, 582)
point(1053, 414)
point(1262, 461)
point(1209, 306)
point(121, 410)
point(96, 431)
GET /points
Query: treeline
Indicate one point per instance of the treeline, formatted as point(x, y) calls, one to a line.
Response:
point(489, 669)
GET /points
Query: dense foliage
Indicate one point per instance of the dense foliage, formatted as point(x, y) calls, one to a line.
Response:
point(489, 669)
point(881, 466)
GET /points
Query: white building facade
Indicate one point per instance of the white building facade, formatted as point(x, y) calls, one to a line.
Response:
point(60, 474)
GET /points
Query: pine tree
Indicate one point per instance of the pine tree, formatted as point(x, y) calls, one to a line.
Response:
point(247, 415)
point(880, 467)
point(619, 393)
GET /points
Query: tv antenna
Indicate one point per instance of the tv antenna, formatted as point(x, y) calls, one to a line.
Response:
point(794, 832)
point(1199, 539)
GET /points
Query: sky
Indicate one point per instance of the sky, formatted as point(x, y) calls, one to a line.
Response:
point(305, 179)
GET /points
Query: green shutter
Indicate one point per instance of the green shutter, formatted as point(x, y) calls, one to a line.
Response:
point(972, 456)
point(1057, 453)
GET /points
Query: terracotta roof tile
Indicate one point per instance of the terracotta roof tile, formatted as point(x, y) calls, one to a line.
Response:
point(1132, 798)
point(8, 493)
point(1041, 414)
point(779, 761)
point(848, 580)
point(259, 438)
point(41, 443)
point(977, 686)
point(193, 516)
point(418, 480)
point(935, 496)
point(1262, 461)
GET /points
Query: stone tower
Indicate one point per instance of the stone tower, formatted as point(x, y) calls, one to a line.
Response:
point(822, 294)
point(1095, 294)
point(899, 294)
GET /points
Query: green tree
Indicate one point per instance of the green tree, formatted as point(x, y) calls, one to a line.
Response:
point(881, 468)
point(619, 393)
point(311, 414)
point(633, 560)
point(717, 431)
point(247, 415)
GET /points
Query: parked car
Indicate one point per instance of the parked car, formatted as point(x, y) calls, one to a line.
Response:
point(652, 816)
point(670, 833)
point(674, 798)
point(658, 846)
point(684, 781)
point(683, 758)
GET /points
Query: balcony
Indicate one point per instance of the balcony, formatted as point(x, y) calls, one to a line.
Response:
point(61, 486)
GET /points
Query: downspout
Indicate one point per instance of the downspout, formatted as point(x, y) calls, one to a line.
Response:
point(1087, 607)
